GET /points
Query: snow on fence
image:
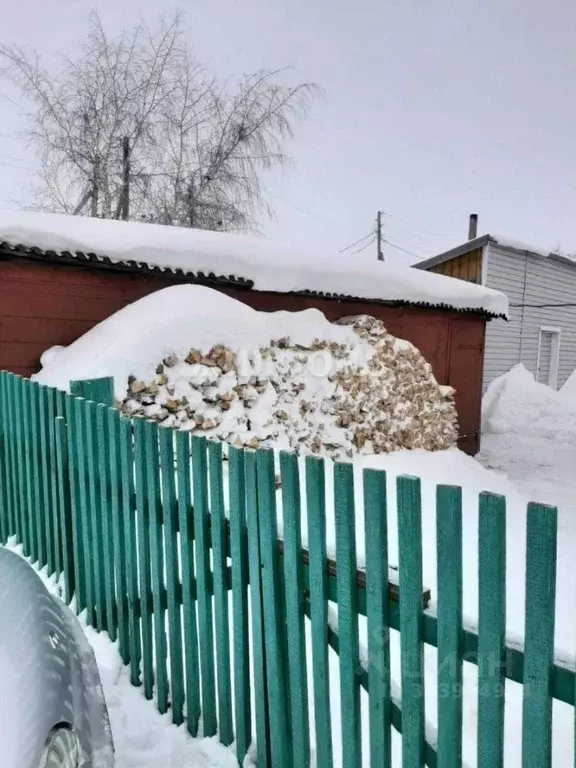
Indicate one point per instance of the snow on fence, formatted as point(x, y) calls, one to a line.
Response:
point(151, 541)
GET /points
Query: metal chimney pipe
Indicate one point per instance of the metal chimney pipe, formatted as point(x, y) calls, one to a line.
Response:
point(473, 226)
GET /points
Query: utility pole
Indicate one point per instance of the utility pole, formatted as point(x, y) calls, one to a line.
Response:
point(125, 178)
point(379, 235)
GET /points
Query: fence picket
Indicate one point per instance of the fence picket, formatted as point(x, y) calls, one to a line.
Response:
point(203, 584)
point(222, 620)
point(491, 629)
point(170, 519)
point(449, 623)
point(4, 480)
point(80, 450)
point(95, 512)
point(38, 508)
point(105, 494)
point(157, 555)
point(53, 472)
point(14, 525)
point(295, 594)
point(258, 647)
point(44, 437)
point(377, 618)
point(112, 417)
point(20, 469)
point(272, 599)
point(318, 578)
point(64, 509)
point(26, 470)
point(239, 565)
point(541, 533)
point(411, 621)
point(186, 528)
point(143, 549)
point(346, 575)
point(128, 501)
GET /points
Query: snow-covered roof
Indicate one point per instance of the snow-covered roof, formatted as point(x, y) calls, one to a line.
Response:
point(504, 242)
point(263, 265)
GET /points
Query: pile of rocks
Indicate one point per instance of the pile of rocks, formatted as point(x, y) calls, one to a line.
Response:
point(371, 394)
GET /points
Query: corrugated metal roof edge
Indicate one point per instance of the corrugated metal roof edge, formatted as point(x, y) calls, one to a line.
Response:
point(79, 258)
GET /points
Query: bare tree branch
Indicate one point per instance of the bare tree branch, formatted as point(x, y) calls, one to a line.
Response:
point(197, 147)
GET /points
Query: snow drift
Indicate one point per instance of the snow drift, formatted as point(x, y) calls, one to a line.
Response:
point(508, 400)
point(196, 359)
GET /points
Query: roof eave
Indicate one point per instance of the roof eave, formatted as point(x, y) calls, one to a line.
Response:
point(453, 253)
point(92, 260)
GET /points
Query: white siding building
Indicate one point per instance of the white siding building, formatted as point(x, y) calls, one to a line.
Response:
point(541, 290)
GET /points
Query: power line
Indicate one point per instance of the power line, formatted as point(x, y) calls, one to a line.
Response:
point(368, 244)
point(542, 306)
point(401, 248)
point(357, 242)
point(316, 216)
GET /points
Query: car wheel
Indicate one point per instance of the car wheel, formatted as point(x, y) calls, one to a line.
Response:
point(61, 750)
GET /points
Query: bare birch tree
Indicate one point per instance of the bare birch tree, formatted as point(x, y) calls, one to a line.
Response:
point(195, 148)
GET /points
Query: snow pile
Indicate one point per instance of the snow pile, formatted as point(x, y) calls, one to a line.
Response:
point(195, 359)
point(508, 400)
point(269, 267)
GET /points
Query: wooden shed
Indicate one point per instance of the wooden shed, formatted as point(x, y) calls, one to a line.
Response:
point(52, 296)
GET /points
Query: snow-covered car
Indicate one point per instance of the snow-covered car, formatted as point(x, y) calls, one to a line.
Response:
point(52, 708)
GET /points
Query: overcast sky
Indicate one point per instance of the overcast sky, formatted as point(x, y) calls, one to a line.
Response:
point(432, 110)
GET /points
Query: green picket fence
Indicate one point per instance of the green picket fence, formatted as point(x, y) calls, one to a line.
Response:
point(157, 538)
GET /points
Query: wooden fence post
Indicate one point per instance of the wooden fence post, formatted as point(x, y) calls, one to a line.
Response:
point(96, 390)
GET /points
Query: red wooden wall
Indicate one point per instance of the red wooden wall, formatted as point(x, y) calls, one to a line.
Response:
point(44, 303)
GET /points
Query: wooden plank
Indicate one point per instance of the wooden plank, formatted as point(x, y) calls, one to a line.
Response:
point(95, 514)
point(53, 471)
point(169, 518)
point(318, 575)
point(65, 510)
point(73, 482)
point(491, 629)
point(449, 616)
point(14, 521)
point(46, 494)
point(205, 613)
point(21, 499)
point(26, 469)
point(222, 621)
point(157, 562)
point(38, 508)
point(99, 390)
point(411, 623)
point(186, 527)
point(118, 539)
point(4, 477)
point(240, 577)
point(143, 548)
point(258, 648)
point(129, 513)
point(4, 466)
point(347, 615)
point(105, 498)
point(272, 597)
point(295, 598)
point(377, 618)
point(541, 533)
